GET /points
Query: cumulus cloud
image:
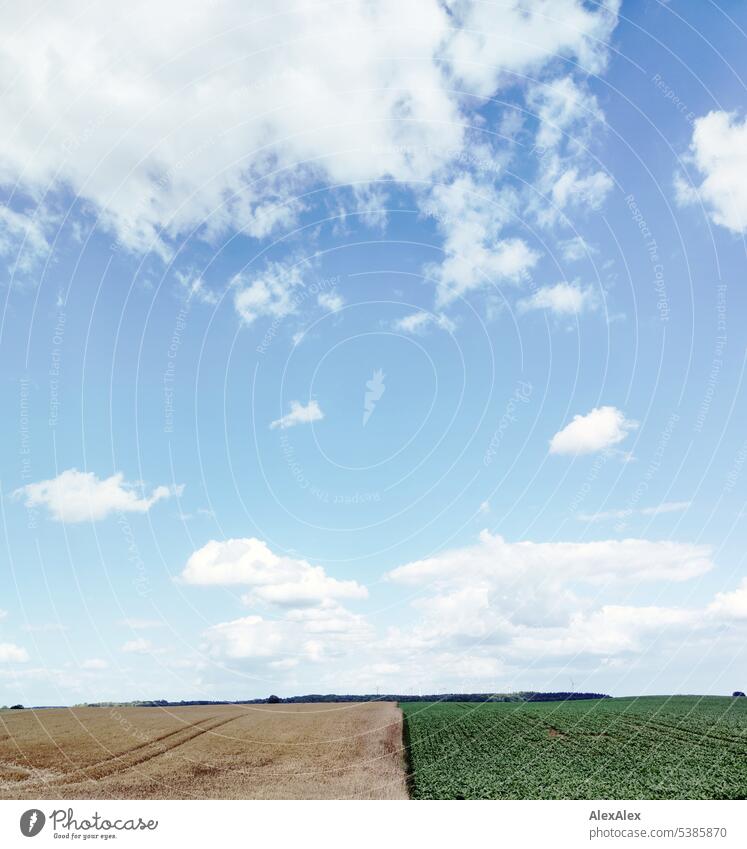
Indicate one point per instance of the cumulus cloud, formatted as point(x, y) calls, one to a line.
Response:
point(562, 299)
point(216, 119)
point(310, 623)
point(613, 629)
point(23, 237)
point(75, 496)
point(270, 292)
point(302, 635)
point(566, 186)
point(299, 414)
point(496, 42)
point(731, 605)
point(561, 104)
point(472, 216)
point(494, 559)
point(718, 151)
point(94, 664)
point(522, 601)
point(11, 653)
point(282, 581)
point(576, 248)
point(418, 322)
point(598, 430)
point(330, 301)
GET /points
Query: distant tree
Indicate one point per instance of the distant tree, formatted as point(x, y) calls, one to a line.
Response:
point(738, 693)
point(273, 700)
point(16, 707)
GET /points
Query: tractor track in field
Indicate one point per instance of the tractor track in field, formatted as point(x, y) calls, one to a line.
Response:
point(142, 753)
point(683, 734)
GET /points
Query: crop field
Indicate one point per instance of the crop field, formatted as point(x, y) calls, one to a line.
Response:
point(643, 748)
point(318, 751)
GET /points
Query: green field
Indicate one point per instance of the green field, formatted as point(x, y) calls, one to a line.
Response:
point(682, 747)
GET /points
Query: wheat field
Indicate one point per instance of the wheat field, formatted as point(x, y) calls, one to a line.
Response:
point(285, 751)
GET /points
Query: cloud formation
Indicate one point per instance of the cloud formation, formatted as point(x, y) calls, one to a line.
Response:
point(75, 496)
point(299, 414)
point(718, 151)
point(600, 429)
point(472, 215)
point(628, 512)
point(562, 299)
point(282, 581)
point(731, 605)
point(418, 322)
point(11, 653)
point(499, 605)
point(215, 121)
point(308, 624)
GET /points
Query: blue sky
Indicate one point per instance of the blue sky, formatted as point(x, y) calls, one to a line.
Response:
point(373, 347)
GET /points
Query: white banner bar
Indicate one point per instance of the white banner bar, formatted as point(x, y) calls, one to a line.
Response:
point(309, 824)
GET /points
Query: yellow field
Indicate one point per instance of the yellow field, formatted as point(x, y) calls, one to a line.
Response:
point(297, 751)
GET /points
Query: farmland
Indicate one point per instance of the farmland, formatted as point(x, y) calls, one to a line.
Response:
point(294, 751)
point(638, 748)
point(642, 748)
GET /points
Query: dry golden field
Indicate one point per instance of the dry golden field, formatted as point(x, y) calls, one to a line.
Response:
point(296, 751)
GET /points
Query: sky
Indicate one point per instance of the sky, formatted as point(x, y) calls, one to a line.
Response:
point(372, 347)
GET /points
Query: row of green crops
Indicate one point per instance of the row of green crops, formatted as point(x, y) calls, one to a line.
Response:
point(684, 747)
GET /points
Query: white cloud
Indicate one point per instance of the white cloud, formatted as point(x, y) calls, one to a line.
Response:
point(419, 322)
point(203, 125)
point(494, 560)
point(276, 580)
point(568, 187)
point(3, 614)
point(184, 129)
point(526, 600)
point(270, 292)
point(194, 288)
point(23, 237)
point(613, 629)
point(561, 299)
point(94, 663)
point(718, 151)
point(330, 301)
point(299, 414)
point(139, 646)
point(664, 507)
point(312, 624)
point(495, 42)
point(568, 118)
point(731, 605)
point(75, 496)
point(560, 105)
point(11, 653)
point(472, 217)
point(602, 428)
point(302, 636)
point(576, 248)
